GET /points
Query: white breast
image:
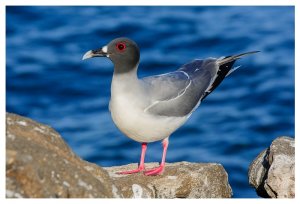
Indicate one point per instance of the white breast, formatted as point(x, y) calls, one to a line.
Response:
point(127, 106)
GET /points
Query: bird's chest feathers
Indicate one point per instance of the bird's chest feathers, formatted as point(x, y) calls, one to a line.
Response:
point(125, 107)
point(122, 106)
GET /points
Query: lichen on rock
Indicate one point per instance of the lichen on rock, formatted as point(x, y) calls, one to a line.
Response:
point(179, 180)
point(272, 173)
point(39, 164)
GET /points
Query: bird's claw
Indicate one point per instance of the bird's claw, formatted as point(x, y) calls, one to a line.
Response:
point(141, 168)
point(155, 171)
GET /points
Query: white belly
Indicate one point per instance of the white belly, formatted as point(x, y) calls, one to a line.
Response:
point(127, 105)
point(140, 126)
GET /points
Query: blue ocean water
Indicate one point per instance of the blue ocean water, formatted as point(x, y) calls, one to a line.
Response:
point(47, 81)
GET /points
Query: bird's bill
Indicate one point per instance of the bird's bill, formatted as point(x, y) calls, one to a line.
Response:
point(94, 53)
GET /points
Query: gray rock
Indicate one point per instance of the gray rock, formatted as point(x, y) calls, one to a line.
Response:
point(39, 164)
point(272, 173)
point(179, 180)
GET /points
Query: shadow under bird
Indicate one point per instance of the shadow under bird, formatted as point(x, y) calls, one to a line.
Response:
point(152, 108)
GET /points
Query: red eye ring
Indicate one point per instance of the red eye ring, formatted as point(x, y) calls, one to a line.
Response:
point(121, 46)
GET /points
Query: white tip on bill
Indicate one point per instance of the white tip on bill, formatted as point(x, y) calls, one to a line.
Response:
point(87, 55)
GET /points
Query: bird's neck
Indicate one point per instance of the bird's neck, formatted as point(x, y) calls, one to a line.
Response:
point(124, 82)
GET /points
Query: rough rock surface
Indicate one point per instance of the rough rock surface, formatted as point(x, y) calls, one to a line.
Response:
point(272, 173)
point(39, 164)
point(179, 180)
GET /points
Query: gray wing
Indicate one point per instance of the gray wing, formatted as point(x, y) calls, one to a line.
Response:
point(178, 93)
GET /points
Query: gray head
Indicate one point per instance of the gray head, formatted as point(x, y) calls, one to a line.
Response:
point(123, 52)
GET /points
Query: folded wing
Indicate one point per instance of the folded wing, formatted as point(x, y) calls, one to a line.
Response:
point(178, 93)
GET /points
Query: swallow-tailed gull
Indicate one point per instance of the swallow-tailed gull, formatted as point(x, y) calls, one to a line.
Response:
point(152, 108)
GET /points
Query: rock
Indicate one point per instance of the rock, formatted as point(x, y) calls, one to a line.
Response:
point(179, 180)
point(39, 164)
point(272, 173)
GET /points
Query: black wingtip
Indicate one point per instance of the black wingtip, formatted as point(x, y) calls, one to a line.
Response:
point(222, 72)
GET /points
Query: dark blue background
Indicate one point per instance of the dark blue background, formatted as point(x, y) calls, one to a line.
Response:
point(47, 81)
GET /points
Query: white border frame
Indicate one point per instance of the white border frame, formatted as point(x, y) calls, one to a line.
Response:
point(4, 3)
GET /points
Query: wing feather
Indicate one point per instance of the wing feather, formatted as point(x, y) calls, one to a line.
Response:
point(177, 93)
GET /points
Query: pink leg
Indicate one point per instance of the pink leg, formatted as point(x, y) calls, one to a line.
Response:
point(160, 169)
point(141, 166)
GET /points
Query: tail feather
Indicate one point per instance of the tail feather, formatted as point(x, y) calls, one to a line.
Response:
point(234, 57)
point(225, 68)
point(232, 70)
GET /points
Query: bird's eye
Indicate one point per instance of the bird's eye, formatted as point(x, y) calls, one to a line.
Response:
point(121, 46)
